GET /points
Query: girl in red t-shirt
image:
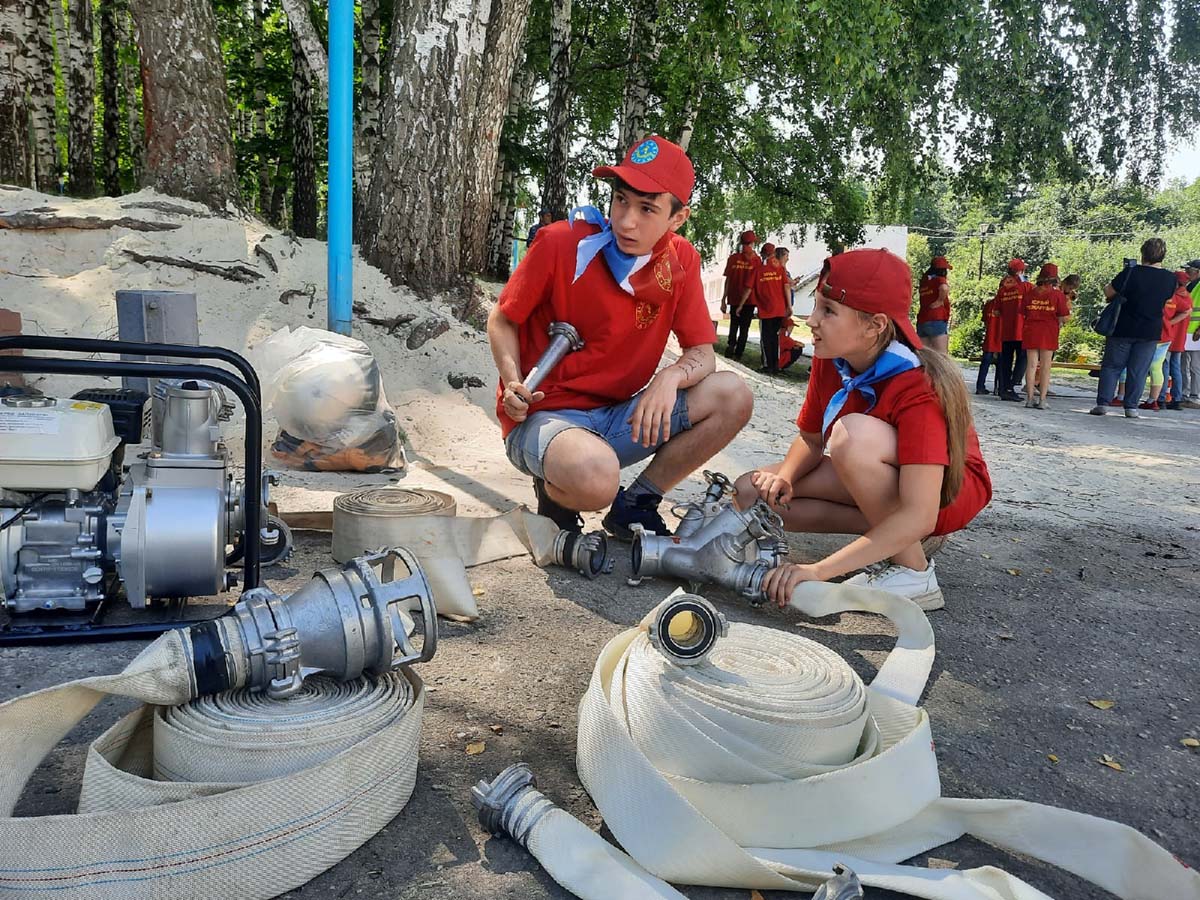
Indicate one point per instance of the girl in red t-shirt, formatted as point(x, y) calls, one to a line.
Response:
point(886, 450)
point(1045, 309)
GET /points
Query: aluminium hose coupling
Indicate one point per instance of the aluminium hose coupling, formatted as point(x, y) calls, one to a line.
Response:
point(685, 628)
point(348, 620)
point(564, 339)
point(585, 553)
point(510, 803)
point(844, 885)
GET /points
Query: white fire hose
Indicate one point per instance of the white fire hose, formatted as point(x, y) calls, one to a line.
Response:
point(769, 763)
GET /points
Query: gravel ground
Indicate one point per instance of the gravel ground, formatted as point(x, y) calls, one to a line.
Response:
point(1078, 583)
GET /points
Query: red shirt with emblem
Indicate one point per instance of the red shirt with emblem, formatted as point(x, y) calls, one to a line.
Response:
point(1179, 331)
point(624, 336)
point(992, 342)
point(1041, 309)
point(929, 289)
point(1008, 300)
point(772, 291)
point(740, 271)
point(908, 403)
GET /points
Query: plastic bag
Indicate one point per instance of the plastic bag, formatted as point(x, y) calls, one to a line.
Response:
point(326, 394)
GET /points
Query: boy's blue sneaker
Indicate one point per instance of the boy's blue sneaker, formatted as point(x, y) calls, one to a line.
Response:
point(625, 513)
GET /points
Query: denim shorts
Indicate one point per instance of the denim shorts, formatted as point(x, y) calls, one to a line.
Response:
point(933, 328)
point(526, 444)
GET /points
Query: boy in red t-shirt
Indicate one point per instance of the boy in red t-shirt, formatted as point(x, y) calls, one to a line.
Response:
point(1179, 327)
point(773, 292)
point(991, 347)
point(1013, 289)
point(626, 284)
point(738, 299)
point(790, 349)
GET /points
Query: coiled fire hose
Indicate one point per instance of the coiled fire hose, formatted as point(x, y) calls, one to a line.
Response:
point(425, 523)
point(766, 762)
point(234, 794)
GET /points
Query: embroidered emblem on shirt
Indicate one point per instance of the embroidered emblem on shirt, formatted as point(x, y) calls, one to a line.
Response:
point(662, 273)
point(645, 315)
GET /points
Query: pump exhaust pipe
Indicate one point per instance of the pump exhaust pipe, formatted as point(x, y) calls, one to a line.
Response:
point(346, 621)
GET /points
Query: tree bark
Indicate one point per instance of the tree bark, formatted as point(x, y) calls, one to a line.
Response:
point(16, 163)
point(368, 119)
point(690, 111)
point(189, 152)
point(411, 223)
point(304, 164)
point(133, 104)
point(504, 201)
point(260, 109)
point(304, 35)
point(505, 37)
point(108, 91)
point(644, 50)
point(41, 94)
point(81, 100)
point(558, 111)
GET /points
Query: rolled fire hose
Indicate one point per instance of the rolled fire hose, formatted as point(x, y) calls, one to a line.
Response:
point(233, 794)
point(768, 763)
point(424, 522)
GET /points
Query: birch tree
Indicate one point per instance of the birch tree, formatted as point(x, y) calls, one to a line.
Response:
point(189, 152)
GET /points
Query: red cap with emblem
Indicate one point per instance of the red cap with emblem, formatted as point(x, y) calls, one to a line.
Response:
point(873, 281)
point(655, 166)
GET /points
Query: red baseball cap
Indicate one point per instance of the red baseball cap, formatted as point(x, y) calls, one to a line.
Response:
point(768, 249)
point(940, 262)
point(873, 281)
point(1016, 264)
point(1182, 277)
point(749, 237)
point(655, 166)
point(1049, 270)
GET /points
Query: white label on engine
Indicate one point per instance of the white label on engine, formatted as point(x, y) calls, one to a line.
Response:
point(28, 421)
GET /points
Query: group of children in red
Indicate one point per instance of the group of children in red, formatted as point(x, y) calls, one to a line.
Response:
point(1021, 324)
point(762, 285)
point(886, 449)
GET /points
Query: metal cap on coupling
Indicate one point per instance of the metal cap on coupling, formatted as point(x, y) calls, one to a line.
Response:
point(585, 553)
point(685, 628)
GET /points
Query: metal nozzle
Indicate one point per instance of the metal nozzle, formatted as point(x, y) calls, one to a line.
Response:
point(564, 339)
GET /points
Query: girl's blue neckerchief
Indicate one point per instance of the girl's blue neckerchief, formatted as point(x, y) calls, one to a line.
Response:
point(895, 358)
point(622, 265)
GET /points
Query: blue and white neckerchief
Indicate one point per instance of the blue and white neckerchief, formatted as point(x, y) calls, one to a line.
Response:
point(622, 265)
point(895, 358)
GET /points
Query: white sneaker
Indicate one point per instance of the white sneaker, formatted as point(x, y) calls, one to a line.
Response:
point(919, 587)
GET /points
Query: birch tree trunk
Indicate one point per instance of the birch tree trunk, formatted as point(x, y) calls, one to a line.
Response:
point(16, 164)
point(368, 120)
point(133, 104)
point(260, 110)
point(81, 99)
point(558, 111)
point(644, 50)
point(189, 152)
point(688, 127)
point(505, 37)
point(108, 91)
point(40, 27)
point(504, 201)
point(411, 223)
point(304, 163)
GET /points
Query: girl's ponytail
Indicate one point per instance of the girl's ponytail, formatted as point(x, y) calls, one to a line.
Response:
point(947, 383)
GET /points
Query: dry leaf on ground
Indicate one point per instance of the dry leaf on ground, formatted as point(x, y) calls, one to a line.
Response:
point(475, 748)
point(1103, 704)
point(1107, 760)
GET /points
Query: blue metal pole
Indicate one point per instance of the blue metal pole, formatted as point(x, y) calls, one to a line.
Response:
point(341, 160)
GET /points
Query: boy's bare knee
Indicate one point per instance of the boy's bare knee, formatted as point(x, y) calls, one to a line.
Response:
point(590, 480)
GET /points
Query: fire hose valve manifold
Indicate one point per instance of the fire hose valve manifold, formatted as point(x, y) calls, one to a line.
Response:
point(715, 543)
point(348, 620)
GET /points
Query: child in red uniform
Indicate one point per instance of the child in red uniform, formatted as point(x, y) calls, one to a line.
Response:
point(991, 347)
point(1045, 309)
point(626, 284)
point(933, 317)
point(886, 450)
point(738, 299)
point(790, 349)
point(1008, 300)
point(1158, 367)
point(772, 291)
point(1179, 327)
